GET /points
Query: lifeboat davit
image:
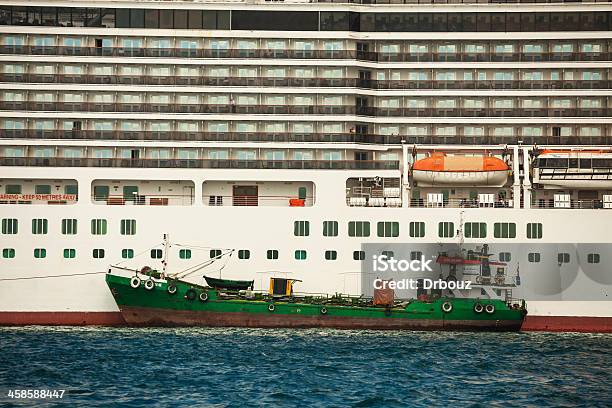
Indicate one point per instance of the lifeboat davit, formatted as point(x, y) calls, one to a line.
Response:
point(459, 170)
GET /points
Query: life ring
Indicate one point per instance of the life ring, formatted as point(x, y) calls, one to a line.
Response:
point(203, 296)
point(478, 308)
point(323, 310)
point(490, 309)
point(190, 294)
point(171, 289)
point(149, 284)
point(135, 282)
point(447, 307)
point(271, 307)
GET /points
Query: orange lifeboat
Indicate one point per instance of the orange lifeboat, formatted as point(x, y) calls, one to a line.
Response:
point(460, 170)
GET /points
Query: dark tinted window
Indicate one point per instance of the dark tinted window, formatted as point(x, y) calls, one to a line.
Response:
point(180, 19)
point(195, 19)
point(275, 20)
point(152, 19)
point(334, 21)
point(166, 18)
point(122, 19)
point(137, 18)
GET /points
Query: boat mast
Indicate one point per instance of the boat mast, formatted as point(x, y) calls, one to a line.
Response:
point(165, 261)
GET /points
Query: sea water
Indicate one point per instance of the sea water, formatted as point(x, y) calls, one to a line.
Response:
point(301, 368)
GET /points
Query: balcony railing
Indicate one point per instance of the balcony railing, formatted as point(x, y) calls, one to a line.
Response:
point(308, 54)
point(137, 107)
point(576, 204)
point(297, 137)
point(178, 52)
point(298, 82)
point(203, 163)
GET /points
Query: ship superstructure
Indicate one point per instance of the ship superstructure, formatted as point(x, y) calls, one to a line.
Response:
point(296, 132)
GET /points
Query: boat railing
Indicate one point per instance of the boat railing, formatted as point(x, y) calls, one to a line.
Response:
point(144, 199)
point(572, 204)
point(259, 200)
point(461, 203)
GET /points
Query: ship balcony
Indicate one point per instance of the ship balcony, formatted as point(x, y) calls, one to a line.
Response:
point(217, 193)
point(373, 192)
point(140, 192)
point(304, 82)
point(480, 56)
point(202, 163)
point(77, 134)
point(178, 52)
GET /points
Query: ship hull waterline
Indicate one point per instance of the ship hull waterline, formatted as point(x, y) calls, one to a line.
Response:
point(157, 317)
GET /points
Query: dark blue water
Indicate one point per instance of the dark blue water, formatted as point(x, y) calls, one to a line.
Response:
point(324, 368)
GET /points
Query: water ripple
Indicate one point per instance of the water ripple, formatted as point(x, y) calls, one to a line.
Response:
point(301, 368)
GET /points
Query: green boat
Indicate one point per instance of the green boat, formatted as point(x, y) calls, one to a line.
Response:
point(157, 300)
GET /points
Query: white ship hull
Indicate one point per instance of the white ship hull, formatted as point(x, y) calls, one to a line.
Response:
point(85, 299)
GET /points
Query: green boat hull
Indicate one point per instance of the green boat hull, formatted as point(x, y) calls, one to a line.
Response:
point(157, 307)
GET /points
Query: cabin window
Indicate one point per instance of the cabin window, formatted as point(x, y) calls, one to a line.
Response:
point(128, 227)
point(185, 254)
point(533, 257)
point(272, 254)
point(358, 255)
point(302, 193)
point(8, 253)
point(359, 229)
point(10, 225)
point(388, 229)
point(39, 226)
point(331, 255)
point(415, 255)
point(40, 253)
point(563, 257)
point(214, 253)
point(100, 193)
point(330, 228)
point(69, 226)
point(417, 229)
point(98, 227)
point(13, 189)
point(505, 256)
point(388, 254)
point(475, 230)
point(156, 254)
point(244, 254)
point(300, 254)
point(504, 230)
point(446, 229)
point(534, 230)
point(72, 189)
point(127, 253)
point(69, 253)
point(593, 258)
point(98, 253)
point(42, 189)
point(301, 228)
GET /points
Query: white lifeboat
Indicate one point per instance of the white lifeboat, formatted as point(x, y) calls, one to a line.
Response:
point(442, 170)
point(579, 169)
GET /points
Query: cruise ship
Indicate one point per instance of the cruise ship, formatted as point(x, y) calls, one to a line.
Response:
point(297, 137)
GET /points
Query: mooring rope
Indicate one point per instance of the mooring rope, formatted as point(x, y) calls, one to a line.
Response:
point(51, 276)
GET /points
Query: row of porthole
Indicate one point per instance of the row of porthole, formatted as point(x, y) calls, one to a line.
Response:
point(272, 254)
